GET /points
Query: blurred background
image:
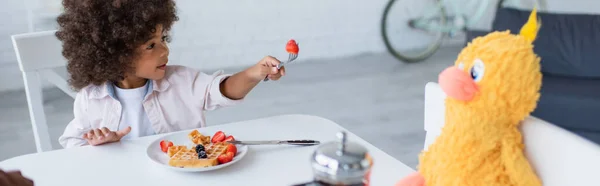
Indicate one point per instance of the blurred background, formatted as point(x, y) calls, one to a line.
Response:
point(344, 71)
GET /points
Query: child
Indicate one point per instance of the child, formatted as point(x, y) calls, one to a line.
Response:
point(117, 58)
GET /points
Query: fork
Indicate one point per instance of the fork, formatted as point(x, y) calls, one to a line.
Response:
point(291, 58)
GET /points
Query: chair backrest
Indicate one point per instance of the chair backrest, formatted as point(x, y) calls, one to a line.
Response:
point(41, 52)
point(38, 51)
point(39, 56)
point(559, 157)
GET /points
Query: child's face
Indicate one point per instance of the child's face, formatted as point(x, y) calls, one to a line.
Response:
point(153, 57)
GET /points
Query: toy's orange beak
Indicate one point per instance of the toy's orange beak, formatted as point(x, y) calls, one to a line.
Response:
point(457, 84)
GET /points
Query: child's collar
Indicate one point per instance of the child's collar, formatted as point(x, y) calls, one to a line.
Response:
point(107, 89)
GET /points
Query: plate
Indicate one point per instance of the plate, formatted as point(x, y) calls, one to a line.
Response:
point(180, 138)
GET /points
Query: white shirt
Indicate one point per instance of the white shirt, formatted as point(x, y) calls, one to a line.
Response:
point(133, 112)
point(174, 103)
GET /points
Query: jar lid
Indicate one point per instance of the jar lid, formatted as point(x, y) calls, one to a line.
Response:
point(341, 162)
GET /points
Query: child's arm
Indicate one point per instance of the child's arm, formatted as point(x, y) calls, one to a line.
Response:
point(73, 134)
point(240, 84)
point(237, 86)
point(225, 90)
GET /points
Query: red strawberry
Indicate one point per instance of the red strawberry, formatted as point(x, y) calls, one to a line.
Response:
point(218, 137)
point(232, 148)
point(225, 158)
point(229, 138)
point(165, 144)
point(292, 47)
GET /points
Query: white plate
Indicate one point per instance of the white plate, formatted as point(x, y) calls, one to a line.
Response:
point(180, 138)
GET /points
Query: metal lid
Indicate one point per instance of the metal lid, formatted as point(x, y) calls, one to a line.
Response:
point(341, 162)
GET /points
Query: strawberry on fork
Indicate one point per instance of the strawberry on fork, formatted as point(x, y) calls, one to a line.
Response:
point(292, 48)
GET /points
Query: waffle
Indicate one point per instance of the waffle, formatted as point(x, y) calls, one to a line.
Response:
point(174, 149)
point(198, 138)
point(216, 149)
point(188, 158)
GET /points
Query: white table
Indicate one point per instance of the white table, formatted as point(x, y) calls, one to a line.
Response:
point(126, 163)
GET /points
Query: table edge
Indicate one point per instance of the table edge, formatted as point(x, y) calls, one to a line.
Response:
point(236, 122)
point(229, 123)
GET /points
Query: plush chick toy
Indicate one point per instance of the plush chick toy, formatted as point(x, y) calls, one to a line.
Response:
point(492, 87)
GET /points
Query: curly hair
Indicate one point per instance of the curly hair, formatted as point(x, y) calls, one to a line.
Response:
point(100, 37)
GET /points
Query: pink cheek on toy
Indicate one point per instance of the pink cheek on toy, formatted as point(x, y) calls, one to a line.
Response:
point(457, 84)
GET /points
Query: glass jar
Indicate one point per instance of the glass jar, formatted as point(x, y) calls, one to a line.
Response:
point(341, 163)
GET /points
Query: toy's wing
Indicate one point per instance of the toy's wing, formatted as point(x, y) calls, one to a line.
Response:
point(516, 164)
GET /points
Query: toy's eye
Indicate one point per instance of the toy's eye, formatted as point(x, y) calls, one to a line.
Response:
point(461, 66)
point(477, 71)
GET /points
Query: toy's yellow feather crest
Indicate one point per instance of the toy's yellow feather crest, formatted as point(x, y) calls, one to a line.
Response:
point(531, 28)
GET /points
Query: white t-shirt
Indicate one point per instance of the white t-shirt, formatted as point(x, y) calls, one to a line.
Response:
point(133, 111)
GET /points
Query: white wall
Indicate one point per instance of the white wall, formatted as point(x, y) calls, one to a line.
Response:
point(227, 33)
point(220, 34)
point(14, 20)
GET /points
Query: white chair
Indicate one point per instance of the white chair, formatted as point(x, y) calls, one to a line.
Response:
point(39, 55)
point(559, 157)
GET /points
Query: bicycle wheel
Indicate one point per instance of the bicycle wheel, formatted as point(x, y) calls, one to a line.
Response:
point(403, 40)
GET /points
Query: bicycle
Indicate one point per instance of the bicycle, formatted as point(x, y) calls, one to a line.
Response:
point(434, 23)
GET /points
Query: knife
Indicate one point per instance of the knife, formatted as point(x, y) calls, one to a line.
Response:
point(277, 142)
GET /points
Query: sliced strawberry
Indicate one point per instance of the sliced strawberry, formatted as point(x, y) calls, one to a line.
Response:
point(218, 137)
point(232, 148)
point(165, 144)
point(225, 158)
point(229, 138)
point(222, 159)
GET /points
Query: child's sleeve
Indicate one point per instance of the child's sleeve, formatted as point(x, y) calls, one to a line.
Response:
point(73, 134)
point(213, 98)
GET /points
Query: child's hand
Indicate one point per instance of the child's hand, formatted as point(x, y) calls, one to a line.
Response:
point(240, 84)
point(267, 67)
point(103, 135)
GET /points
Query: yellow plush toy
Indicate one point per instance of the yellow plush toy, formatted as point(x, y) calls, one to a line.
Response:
point(493, 86)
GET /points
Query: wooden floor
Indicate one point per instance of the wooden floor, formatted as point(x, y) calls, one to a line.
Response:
point(372, 95)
